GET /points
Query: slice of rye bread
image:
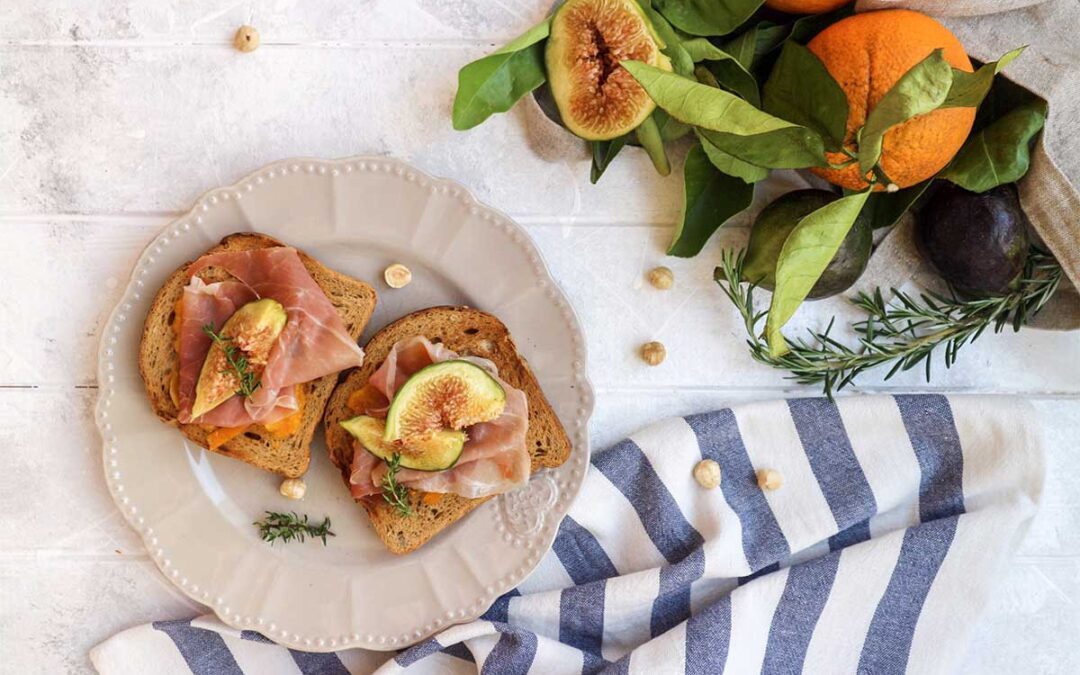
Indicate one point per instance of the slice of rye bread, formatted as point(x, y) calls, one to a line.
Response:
point(288, 456)
point(467, 332)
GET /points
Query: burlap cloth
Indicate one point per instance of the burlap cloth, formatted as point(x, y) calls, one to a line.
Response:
point(1050, 68)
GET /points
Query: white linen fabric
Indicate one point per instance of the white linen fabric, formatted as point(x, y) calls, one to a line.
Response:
point(877, 554)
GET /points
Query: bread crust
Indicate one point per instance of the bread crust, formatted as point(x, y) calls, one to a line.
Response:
point(288, 456)
point(469, 332)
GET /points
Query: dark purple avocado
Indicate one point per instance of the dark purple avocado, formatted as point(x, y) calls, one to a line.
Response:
point(977, 242)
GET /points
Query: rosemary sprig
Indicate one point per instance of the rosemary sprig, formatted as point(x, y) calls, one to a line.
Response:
point(286, 527)
point(904, 331)
point(238, 363)
point(392, 491)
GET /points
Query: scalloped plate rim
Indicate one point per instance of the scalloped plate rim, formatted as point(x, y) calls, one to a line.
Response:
point(586, 391)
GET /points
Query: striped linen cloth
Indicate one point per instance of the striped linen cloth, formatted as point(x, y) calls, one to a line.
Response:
point(876, 555)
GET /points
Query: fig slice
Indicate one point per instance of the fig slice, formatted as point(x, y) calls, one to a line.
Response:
point(452, 394)
point(252, 330)
point(436, 451)
point(597, 98)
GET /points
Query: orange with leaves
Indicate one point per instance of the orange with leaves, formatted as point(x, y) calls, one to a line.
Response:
point(866, 54)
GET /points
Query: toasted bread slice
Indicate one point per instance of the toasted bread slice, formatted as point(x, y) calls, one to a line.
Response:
point(288, 456)
point(467, 332)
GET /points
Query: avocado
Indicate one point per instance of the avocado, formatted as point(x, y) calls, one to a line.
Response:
point(437, 451)
point(978, 242)
point(448, 395)
point(252, 330)
point(775, 223)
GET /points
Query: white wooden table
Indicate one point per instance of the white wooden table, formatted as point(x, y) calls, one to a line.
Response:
point(116, 114)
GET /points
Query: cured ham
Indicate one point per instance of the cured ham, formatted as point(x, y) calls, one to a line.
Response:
point(200, 305)
point(313, 343)
point(495, 458)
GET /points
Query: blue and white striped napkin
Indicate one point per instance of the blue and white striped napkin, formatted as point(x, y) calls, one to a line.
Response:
point(876, 555)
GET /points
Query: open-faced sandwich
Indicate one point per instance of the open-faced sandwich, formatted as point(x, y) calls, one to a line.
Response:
point(444, 415)
point(242, 348)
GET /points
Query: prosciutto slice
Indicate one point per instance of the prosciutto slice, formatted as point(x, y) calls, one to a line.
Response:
point(313, 343)
point(204, 304)
point(495, 458)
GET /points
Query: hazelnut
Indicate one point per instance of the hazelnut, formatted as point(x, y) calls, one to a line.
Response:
point(246, 39)
point(653, 353)
point(293, 488)
point(769, 479)
point(661, 277)
point(397, 276)
point(707, 474)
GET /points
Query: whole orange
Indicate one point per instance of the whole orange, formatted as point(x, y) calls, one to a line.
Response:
point(806, 6)
point(866, 54)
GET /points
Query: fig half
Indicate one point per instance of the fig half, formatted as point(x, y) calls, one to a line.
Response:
point(449, 395)
point(436, 451)
point(252, 330)
point(597, 98)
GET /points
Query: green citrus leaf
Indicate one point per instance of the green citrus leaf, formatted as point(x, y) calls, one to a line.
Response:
point(494, 83)
point(801, 90)
point(711, 198)
point(648, 135)
point(700, 49)
point(804, 28)
point(792, 147)
point(886, 208)
point(705, 76)
point(757, 48)
point(681, 61)
point(1000, 153)
point(1004, 97)
point(806, 253)
point(920, 90)
point(732, 166)
point(602, 154)
point(671, 129)
point(969, 89)
point(728, 71)
point(730, 123)
point(537, 33)
point(770, 37)
point(744, 47)
point(707, 17)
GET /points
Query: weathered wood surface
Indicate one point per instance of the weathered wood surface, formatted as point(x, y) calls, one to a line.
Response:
point(116, 115)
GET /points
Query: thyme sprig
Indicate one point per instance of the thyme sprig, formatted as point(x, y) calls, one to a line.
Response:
point(905, 330)
point(286, 527)
point(238, 363)
point(392, 491)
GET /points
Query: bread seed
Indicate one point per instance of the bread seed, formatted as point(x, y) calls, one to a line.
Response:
point(246, 39)
point(397, 276)
point(769, 479)
point(653, 353)
point(707, 474)
point(662, 278)
point(293, 488)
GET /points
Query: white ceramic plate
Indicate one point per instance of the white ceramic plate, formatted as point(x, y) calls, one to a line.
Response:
point(194, 509)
